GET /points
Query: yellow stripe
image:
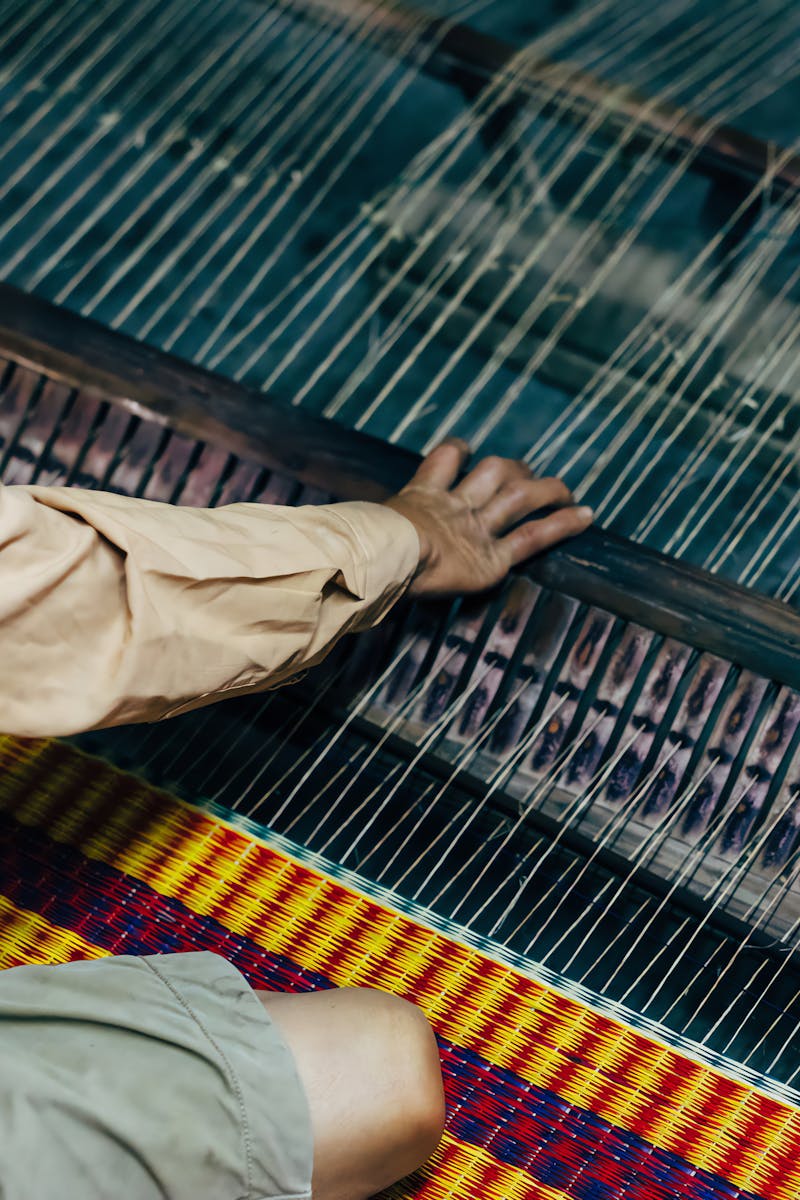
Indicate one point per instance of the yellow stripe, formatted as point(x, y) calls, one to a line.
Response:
point(27, 937)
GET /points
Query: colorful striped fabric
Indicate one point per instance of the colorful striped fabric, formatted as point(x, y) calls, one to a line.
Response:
point(547, 1096)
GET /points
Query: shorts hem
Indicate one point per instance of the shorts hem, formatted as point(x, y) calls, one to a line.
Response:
point(254, 1054)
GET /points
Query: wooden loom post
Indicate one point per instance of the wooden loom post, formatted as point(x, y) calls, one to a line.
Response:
point(632, 581)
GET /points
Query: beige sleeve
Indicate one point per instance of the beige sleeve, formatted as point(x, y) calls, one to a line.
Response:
point(115, 610)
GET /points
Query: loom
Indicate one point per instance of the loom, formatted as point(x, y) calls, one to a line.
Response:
point(564, 817)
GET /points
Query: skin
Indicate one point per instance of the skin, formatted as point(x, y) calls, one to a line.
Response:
point(469, 529)
point(369, 1065)
point(368, 1061)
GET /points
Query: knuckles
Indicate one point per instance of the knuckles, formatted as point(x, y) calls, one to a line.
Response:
point(492, 465)
point(555, 486)
point(538, 492)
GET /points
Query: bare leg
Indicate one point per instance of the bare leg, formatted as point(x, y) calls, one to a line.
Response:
point(370, 1067)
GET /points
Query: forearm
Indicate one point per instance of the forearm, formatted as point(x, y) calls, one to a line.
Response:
point(115, 610)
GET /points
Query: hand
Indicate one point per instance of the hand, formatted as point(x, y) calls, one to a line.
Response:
point(462, 529)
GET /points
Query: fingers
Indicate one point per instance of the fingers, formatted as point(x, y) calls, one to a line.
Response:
point(535, 536)
point(519, 498)
point(490, 475)
point(442, 467)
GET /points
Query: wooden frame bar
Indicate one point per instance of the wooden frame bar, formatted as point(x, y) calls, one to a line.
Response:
point(466, 56)
point(668, 596)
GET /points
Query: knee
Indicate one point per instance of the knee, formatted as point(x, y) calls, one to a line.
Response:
point(419, 1076)
point(370, 1067)
point(408, 1061)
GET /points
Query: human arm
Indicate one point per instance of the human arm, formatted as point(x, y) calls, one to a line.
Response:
point(114, 610)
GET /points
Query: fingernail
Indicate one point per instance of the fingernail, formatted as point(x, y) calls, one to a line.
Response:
point(586, 513)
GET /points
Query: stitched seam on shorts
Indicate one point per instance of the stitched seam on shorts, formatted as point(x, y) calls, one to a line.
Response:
point(232, 1077)
point(285, 1196)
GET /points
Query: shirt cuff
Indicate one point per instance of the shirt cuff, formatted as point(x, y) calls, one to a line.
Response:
point(389, 552)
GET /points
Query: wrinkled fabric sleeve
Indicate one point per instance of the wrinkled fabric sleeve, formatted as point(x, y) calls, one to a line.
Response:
point(114, 610)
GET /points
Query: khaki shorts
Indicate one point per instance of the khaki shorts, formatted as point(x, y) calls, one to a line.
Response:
point(137, 1078)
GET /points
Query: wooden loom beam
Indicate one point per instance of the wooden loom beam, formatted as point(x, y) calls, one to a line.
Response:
point(466, 55)
point(637, 583)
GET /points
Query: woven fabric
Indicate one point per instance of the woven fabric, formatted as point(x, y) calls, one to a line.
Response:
point(547, 1097)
